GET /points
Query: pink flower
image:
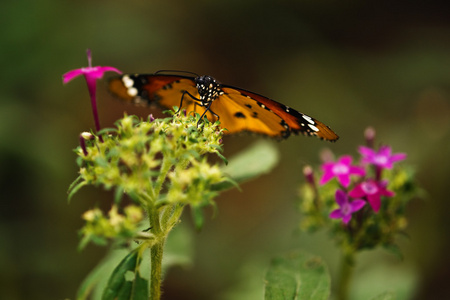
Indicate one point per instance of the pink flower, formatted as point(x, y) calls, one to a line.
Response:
point(346, 208)
point(373, 191)
point(342, 169)
point(91, 75)
point(381, 158)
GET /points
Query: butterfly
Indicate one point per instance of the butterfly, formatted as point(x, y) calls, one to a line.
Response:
point(237, 109)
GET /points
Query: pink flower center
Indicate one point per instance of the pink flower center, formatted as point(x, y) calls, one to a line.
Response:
point(89, 69)
point(380, 160)
point(339, 169)
point(346, 209)
point(369, 188)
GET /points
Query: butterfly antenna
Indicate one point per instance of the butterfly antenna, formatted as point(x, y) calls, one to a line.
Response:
point(176, 71)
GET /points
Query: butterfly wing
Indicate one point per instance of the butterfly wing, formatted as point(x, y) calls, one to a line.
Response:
point(160, 89)
point(256, 113)
point(238, 109)
point(239, 113)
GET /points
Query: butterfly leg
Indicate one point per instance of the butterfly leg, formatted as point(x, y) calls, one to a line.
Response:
point(203, 114)
point(216, 115)
point(208, 108)
point(181, 101)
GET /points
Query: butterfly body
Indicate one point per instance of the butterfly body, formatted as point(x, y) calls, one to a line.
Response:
point(208, 89)
point(237, 109)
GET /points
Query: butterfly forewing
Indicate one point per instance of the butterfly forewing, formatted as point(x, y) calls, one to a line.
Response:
point(297, 121)
point(241, 113)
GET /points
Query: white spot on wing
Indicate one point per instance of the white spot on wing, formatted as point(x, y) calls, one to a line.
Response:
point(314, 128)
point(132, 92)
point(308, 119)
point(127, 81)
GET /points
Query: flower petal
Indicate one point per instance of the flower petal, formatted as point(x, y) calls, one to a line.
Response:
point(357, 170)
point(385, 151)
point(346, 160)
point(98, 72)
point(357, 204)
point(346, 218)
point(328, 166)
point(336, 214)
point(341, 197)
point(375, 202)
point(357, 192)
point(110, 69)
point(327, 176)
point(72, 74)
point(366, 151)
point(388, 193)
point(344, 179)
point(398, 156)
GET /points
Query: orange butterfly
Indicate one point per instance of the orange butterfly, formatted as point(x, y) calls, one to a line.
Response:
point(238, 109)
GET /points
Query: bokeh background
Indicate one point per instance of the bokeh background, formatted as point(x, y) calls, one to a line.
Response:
point(349, 63)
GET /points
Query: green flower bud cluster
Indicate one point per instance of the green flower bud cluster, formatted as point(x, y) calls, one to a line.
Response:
point(99, 227)
point(160, 164)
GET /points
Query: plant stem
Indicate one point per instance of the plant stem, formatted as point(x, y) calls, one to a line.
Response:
point(156, 255)
point(161, 226)
point(165, 167)
point(346, 272)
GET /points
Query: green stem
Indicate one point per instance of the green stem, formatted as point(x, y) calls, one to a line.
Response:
point(153, 218)
point(156, 252)
point(165, 167)
point(159, 225)
point(345, 276)
point(156, 255)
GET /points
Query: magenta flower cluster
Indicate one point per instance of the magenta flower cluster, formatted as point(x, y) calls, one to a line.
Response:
point(366, 189)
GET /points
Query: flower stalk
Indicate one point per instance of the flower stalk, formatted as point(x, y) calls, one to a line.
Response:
point(345, 276)
point(156, 256)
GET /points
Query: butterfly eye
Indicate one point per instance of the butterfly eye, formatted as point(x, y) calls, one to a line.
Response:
point(204, 81)
point(200, 80)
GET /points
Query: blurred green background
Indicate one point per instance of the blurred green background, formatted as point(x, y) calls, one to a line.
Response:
point(350, 64)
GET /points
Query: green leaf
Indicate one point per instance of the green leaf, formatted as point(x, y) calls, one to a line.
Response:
point(258, 159)
point(118, 194)
point(197, 216)
point(223, 158)
point(126, 282)
point(95, 282)
point(297, 275)
point(107, 130)
point(178, 251)
point(75, 187)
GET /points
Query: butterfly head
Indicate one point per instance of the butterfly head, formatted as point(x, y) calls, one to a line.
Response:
point(208, 88)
